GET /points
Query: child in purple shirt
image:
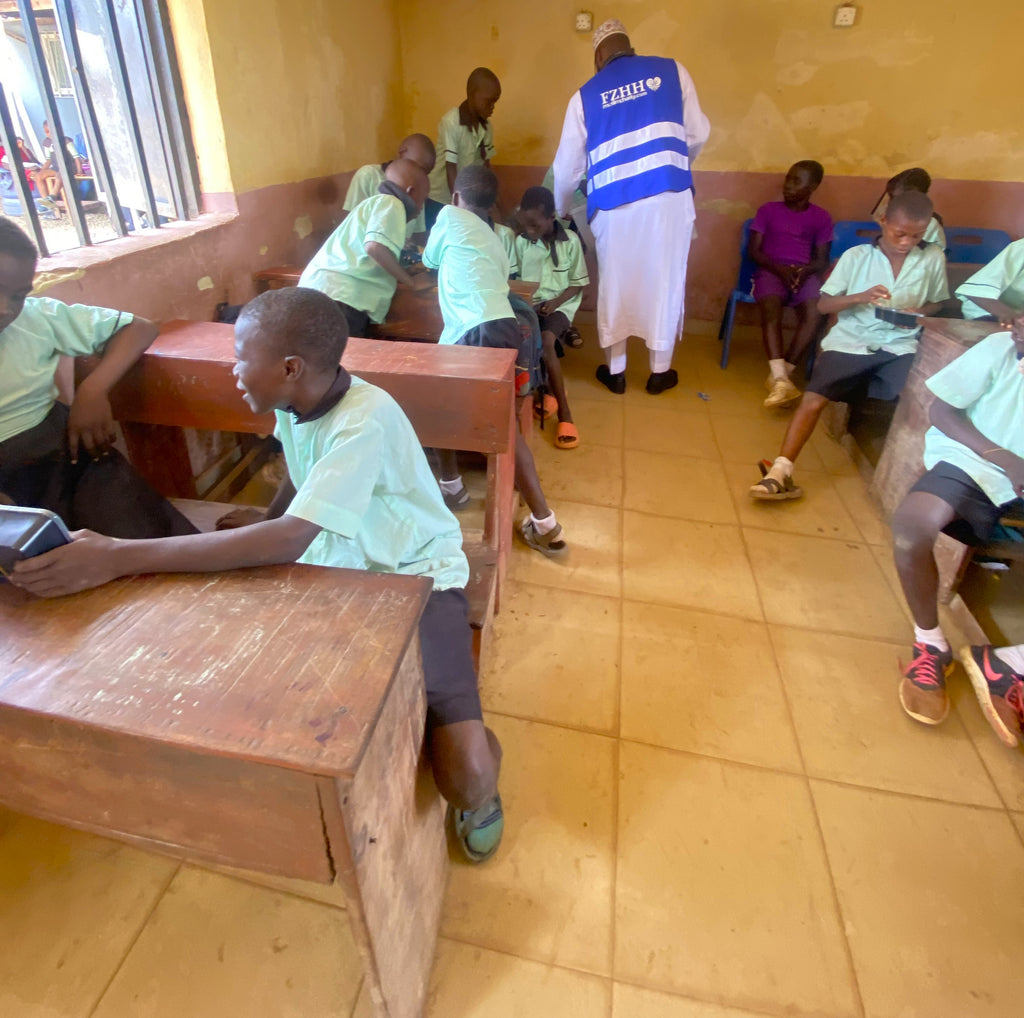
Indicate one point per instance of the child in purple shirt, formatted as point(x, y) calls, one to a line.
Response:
point(789, 243)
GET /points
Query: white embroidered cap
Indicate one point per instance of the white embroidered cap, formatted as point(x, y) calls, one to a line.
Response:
point(610, 27)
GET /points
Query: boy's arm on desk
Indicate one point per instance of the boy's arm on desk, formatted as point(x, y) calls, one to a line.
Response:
point(955, 424)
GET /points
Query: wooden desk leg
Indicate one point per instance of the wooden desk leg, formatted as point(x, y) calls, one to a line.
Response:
point(385, 828)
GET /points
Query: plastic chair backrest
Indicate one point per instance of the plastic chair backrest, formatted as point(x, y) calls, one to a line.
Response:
point(745, 279)
point(850, 232)
point(974, 246)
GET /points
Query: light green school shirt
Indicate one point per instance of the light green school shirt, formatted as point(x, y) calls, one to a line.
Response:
point(536, 265)
point(922, 280)
point(344, 271)
point(986, 384)
point(507, 236)
point(472, 272)
point(360, 474)
point(1002, 279)
point(31, 347)
point(365, 184)
point(459, 144)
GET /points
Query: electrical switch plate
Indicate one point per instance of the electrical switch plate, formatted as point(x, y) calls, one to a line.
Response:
point(846, 16)
point(584, 21)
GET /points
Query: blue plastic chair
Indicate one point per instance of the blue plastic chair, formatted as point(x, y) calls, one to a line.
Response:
point(974, 246)
point(742, 292)
point(850, 232)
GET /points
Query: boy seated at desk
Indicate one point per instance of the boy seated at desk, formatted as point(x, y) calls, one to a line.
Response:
point(52, 456)
point(358, 265)
point(472, 287)
point(897, 271)
point(996, 290)
point(359, 495)
point(366, 181)
point(974, 455)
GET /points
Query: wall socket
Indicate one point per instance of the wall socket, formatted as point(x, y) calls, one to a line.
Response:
point(845, 16)
point(584, 21)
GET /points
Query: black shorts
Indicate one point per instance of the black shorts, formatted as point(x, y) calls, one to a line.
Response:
point(977, 515)
point(501, 334)
point(837, 375)
point(358, 321)
point(446, 647)
point(557, 323)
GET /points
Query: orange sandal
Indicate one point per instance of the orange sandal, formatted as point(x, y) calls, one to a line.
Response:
point(567, 437)
point(549, 409)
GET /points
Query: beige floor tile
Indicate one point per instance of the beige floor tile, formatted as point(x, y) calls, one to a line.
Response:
point(588, 473)
point(688, 680)
point(547, 895)
point(933, 899)
point(833, 456)
point(1018, 819)
point(851, 728)
point(687, 564)
point(817, 583)
point(820, 513)
point(217, 946)
point(722, 890)
point(675, 432)
point(593, 562)
point(684, 397)
point(633, 1002)
point(325, 894)
point(747, 441)
point(70, 906)
point(680, 486)
point(868, 517)
point(470, 982)
point(555, 657)
point(598, 422)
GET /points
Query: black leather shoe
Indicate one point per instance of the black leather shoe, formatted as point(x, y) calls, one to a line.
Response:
point(615, 383)
point(661, 381)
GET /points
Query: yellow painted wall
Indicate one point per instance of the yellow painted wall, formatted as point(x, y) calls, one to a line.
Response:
point(930, 82)
point(304, 88)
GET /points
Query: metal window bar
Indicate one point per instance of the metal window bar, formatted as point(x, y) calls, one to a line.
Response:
point(18, 171)
point(94, 138)
point(60, 155)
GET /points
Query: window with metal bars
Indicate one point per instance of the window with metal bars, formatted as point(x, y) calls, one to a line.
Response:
point(92, 121)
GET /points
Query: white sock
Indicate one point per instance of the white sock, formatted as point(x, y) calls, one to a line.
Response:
point(790, 368)
point(935, 637)
point(616, 355)
point(661, 360)
point(781, 469)
point(451, 487)
point(546, 525)
point(778, 367)
point(1012, 656)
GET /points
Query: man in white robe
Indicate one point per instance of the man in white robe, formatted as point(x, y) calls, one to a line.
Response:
point(642, 243)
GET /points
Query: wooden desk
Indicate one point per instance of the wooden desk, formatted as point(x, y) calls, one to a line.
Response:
point(266, 718)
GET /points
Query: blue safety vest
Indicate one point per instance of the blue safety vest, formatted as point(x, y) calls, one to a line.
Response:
point(636, 143)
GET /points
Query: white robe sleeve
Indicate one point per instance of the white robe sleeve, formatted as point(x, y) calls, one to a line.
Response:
point(570, 165)
point(697, 125)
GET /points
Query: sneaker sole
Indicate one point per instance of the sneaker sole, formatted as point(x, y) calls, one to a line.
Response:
point(778, 496)
point(769, 404)
point(542, 548)
point(981, 691)
point(923, 718)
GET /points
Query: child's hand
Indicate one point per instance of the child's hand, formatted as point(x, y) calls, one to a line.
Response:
point(799, 272)
point(244, 517)
point(86, 562)
point(90, 423)
point(421, 281)
point(542, 308)
point(1012, 466)
point(875, 295)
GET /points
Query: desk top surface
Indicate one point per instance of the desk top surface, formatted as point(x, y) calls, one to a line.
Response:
point(285, 664)
point(959, 330)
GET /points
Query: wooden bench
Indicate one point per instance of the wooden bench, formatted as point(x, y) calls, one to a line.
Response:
point(455, 398)
point(270, 719)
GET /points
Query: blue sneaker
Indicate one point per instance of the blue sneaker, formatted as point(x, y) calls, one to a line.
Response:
point(478, 831)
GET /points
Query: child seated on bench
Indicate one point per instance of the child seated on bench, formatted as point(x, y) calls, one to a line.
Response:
point(472, 285)
point(914, 179)
point(358, 264)
point(974, 455)
point(897, 271)
point(59, 458)
point(790, 242)
point(552, 257)
point(359, 495)
point(996, 290)
point(367, 179)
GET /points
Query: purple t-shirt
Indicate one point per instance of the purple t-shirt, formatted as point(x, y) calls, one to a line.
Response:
point(790, 236)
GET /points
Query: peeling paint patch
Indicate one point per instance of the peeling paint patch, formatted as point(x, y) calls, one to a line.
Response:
point(881, 47)
point(303, 227)
point(797, 74)
point(44, 280)
point(731, 208)
point(977, 154)
point(264, 249)
point(764, 136)
point(206, 283)
point(832, 119)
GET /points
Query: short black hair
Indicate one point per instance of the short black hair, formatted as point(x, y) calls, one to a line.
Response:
point(478, 185)
point(539, 198)
point(479, 75)
point(914, 179)
point(300, 322)
point(813, 167)
point(911, 205)
point(15, 241)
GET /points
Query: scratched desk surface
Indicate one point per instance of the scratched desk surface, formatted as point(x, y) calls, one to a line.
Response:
point(285, 664)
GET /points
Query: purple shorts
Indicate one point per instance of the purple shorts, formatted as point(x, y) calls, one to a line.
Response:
point(767, 284)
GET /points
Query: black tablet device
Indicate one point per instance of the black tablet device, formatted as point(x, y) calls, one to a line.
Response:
point(26, 532)
point(906, 319)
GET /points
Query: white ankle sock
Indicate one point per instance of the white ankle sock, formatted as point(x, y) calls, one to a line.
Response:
point(781, 468)
point(1012, 656)
point(451, 487)
point(934, 637)
point(546, 525)
point(778, 368)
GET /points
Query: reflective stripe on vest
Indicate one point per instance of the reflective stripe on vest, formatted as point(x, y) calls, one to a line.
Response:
point(636, 141)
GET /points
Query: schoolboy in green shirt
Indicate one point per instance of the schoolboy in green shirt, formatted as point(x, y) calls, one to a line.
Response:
point(358, 265)
point(359, 495)
point(996, 289)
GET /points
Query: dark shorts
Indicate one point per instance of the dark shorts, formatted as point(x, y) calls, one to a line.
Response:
point(977, 515)
point(839, 375)
point(446, 646)
point(557, 322)
point(358, 321)
point(767, 284)
point(507, 334)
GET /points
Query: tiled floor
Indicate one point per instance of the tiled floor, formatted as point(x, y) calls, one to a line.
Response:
point(715, 807)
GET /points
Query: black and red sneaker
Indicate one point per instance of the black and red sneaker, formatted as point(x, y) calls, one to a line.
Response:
point(923, 689)
point(1000, 691)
